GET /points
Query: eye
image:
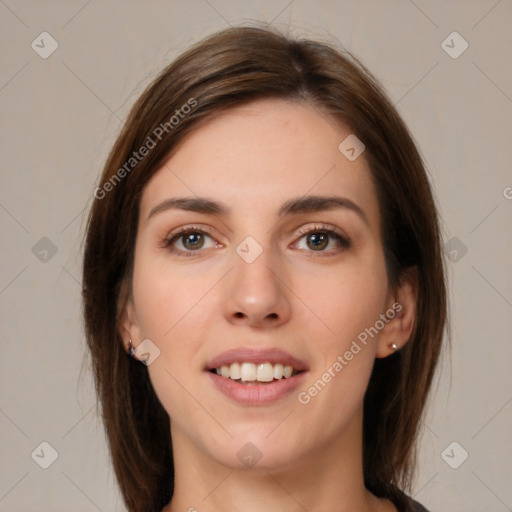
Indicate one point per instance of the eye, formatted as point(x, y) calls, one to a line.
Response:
point(191, 238)
point(319, 237)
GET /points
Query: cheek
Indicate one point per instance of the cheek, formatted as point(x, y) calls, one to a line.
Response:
point(163, 296)
point(344, 355)
point(168, 311)
point(346, 304)
point(343, 301)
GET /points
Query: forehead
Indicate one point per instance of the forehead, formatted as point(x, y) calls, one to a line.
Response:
point(257, 156)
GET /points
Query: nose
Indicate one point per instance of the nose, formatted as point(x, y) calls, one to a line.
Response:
point(257, 294)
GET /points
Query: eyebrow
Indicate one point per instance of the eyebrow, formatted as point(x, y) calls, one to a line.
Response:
point(305, 204)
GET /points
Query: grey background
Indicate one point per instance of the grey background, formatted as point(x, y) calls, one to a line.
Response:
point(60, 116)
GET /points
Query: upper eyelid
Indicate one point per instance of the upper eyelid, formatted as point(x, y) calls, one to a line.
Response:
point(319, 226)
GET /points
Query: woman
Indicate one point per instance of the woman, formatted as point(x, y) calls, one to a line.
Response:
point(264, 290)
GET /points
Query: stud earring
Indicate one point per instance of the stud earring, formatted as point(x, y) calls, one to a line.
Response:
point(393, 346)
point(131, 349)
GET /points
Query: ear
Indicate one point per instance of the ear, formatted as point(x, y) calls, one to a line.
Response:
point(401, 312)
point(127, 321)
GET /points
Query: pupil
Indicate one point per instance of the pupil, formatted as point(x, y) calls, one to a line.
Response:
point(189, 240)
point(315, 238)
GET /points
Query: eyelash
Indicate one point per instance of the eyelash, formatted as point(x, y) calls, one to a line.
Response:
point(168, 241)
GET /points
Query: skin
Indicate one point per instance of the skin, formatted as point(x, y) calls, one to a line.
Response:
point(311, 302)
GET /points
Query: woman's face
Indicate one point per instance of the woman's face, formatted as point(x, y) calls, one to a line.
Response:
point(258, 283)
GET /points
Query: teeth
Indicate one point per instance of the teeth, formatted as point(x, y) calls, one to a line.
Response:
point(265, 372)
point(249, 372)
point(278, 371)
point(235, 371)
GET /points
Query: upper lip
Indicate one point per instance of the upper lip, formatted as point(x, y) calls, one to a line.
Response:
point(251, 355)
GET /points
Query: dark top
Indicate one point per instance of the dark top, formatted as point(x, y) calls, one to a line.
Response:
point(402, 502)
point(411, 506)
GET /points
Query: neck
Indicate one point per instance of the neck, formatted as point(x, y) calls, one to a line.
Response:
point(330, 479)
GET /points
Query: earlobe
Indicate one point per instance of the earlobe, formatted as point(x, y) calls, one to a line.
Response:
point(127, 326)
point(393, 346)
point(402, 314)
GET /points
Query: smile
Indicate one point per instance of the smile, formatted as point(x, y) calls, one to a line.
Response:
point(254, 377)
point(250, 373)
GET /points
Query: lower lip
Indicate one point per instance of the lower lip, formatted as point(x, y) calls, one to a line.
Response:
point(257, 394)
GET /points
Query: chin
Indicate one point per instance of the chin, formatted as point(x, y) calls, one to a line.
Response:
point(254, 448)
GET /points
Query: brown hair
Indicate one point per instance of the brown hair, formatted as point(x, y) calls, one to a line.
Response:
point(225, 70)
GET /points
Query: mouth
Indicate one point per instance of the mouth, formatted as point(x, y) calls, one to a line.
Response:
point(254, 374)
point(256, 377)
